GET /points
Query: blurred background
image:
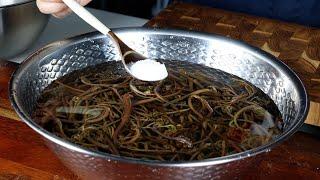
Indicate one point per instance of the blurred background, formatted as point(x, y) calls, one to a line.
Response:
point(306, 12)
point(138, 8)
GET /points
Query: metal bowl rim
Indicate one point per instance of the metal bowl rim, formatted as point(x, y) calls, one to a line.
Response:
point(174, 32)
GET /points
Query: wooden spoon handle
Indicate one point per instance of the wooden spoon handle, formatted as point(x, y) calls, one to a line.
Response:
point(98, 25)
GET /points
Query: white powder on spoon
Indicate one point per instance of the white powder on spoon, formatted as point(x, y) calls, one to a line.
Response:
point(148, 70)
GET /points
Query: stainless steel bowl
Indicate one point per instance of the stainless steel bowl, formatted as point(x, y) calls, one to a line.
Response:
point(21, 23)
point(252, 64)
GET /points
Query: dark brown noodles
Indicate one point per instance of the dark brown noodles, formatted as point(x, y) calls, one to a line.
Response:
point(187, 116)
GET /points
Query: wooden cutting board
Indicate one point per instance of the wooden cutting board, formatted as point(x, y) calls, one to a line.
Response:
point(15, 171)
point(24, 156)
point(297, 46)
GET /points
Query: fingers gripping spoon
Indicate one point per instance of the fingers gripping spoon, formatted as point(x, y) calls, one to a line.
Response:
point(135, 63)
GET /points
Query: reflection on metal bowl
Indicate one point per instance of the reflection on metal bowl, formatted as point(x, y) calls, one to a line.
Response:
point(21, 23)
point(60, 58)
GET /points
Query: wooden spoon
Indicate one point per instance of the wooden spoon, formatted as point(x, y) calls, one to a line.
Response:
point(129, 56)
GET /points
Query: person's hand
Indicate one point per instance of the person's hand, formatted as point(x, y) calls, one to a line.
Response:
point(56, 7)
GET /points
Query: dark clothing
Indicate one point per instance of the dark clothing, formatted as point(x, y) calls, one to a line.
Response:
point(305, 12)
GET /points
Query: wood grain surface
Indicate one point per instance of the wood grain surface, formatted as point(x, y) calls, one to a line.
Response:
point(23, 154)
point(297, 46)
point(16, 171)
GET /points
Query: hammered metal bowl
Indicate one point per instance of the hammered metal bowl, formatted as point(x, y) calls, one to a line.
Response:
point(63, 57)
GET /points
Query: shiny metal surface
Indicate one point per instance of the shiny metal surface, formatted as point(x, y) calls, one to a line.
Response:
point(20, 26)
point(269, 74)
point(12, 2)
